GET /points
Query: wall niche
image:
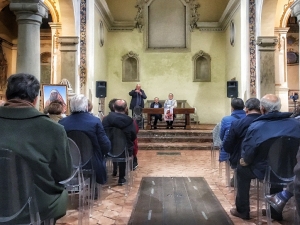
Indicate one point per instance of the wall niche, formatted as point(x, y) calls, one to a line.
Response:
point(130, 70)
point(202, 67)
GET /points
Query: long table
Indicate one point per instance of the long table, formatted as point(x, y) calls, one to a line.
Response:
point(185, 111)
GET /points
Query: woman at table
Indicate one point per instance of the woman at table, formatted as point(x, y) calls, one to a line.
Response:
point(169, 105)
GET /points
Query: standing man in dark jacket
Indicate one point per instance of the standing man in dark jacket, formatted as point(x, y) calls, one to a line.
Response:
point(232, 144)
point(81, 120)
point(253, 161)
point(156, 104)
point(40, 141)
point(119, 119)
point(137, 97)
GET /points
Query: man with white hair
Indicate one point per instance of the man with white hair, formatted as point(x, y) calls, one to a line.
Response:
point(80, 119)
point(253, 162)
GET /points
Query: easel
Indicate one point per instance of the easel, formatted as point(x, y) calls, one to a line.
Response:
point(100, 112)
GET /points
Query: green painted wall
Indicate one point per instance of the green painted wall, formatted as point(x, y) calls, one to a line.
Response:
point(165, 72)
point(233, 59)
point(100, 63)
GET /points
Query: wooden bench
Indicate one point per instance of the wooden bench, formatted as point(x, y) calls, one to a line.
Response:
point(185, 111)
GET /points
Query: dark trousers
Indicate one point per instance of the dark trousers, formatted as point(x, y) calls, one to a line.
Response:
point(156, 118)
point(170, 123)
point(244, 177)
point(122, 168)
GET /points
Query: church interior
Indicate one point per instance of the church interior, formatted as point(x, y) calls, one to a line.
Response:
point(191, 48)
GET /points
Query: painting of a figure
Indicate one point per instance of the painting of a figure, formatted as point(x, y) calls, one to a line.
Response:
point(55, 92)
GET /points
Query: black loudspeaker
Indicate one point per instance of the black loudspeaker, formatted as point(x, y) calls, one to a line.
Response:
point(100, 89)
point(232, 89)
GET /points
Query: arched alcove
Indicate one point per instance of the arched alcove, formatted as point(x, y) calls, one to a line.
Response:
point(202, 67)
point(130, 67)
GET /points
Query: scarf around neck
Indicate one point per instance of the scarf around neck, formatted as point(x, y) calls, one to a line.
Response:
point(18, 103)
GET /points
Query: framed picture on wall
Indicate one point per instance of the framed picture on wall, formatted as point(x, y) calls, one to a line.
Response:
point(51, 92)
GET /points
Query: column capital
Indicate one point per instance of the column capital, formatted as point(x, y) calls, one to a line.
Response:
point(266, 43)
point(295, 10)
point(55, 25)
point(281, 30)
point(68, 43)
point(36, 10)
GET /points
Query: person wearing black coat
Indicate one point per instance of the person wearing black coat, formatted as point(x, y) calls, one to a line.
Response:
point(119, 119)
point(137, 97)
point(156, 104)
point(253, 162)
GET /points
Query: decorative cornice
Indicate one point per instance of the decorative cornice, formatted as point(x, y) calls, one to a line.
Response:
point(138, 22)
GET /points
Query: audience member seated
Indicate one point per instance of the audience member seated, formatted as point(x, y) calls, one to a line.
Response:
point(156, 104)
point(232, 144)
point(237, 112)
point(253, 164)
point(170, 104)
point(81, 120)
point(117, 118)
point(25, 131)
point(55, 110)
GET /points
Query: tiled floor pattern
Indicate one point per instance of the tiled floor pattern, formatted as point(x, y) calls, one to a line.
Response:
point(115, 208)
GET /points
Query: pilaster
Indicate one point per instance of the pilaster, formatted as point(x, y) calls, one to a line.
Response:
point(266, 47)
point(281, 88)
point(295, 12)
point(55, 53)
point(69, 60)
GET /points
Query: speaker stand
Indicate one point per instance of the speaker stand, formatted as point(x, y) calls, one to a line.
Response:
point(100, 112)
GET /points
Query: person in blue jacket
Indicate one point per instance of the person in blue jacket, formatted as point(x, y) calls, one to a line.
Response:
point(232, 144)
point(237, 106)
point(81, 120)
point(253, 161)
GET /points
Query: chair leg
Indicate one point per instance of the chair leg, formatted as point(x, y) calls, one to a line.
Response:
point(227, 173)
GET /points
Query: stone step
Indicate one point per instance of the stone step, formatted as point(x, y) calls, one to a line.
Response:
point(162, 133)
point(175, 146)
point(199, 138)
point(177, 139)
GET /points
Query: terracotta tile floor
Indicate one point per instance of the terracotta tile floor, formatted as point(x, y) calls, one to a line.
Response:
point(115, 208)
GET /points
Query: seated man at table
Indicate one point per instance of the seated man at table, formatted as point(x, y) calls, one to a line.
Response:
point(156, 104)
point(271, 124)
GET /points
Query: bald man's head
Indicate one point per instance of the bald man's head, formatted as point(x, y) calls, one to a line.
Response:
point(138, 87)
point(120, 106)
point(270, 103)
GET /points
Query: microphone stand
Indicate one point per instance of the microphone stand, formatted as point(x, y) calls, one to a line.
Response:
point(100, 112)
